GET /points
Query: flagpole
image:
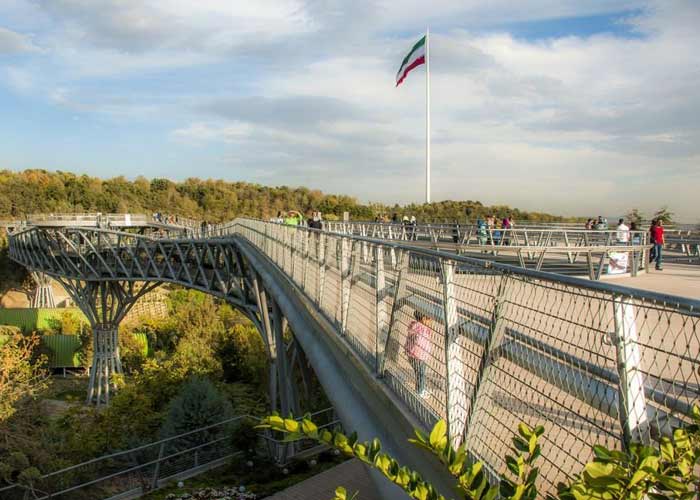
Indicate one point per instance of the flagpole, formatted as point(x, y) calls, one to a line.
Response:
point(427, 115)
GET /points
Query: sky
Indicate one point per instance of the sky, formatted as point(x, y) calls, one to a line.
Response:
point(566, 106)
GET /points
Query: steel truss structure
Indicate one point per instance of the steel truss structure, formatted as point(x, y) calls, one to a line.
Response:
point(593, 362)
point(43, 296)
point(106, 272)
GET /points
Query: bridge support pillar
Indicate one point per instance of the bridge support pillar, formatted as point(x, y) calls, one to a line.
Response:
point(43, 295)
point(105, 304)
point(105, 362)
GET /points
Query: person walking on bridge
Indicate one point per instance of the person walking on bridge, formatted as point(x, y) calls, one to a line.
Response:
point(656, 235)
point(417, 348)
point(623, 232)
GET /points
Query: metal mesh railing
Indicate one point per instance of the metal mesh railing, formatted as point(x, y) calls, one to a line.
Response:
point(137, 470)
point(481, 344)
point(485, 345)
point(575, 252)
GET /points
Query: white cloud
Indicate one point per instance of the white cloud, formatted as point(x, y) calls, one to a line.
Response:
point(135, 26)
point(19, 80)
point(206, 132)
point(302, 92)
point(15, 43)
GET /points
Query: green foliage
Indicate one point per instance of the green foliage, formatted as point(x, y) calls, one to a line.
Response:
point(133, 349)
point(199, 404)
point(11, 275)
point(471, 479)
point(666, 471)
point(15, 468)
point(635, 216)
point(242, 354)
point(34, 191)
point(461, 211)
point(67, 321)
point(21, 376)
point(664, 215)
point(8, 331)
point(193, 340)
point(521, 466)
point(342, 494)
point(70, 322)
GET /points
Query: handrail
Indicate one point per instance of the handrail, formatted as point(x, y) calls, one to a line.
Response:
point(223, 231)
point(506, 343)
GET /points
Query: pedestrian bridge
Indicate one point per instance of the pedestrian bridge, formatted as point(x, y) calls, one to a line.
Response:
point(591, 361)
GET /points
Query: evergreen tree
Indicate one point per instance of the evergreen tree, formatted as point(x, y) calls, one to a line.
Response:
point(198, 404)
point(664, 215)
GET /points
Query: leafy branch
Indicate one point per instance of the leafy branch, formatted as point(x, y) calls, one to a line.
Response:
point(472, 479)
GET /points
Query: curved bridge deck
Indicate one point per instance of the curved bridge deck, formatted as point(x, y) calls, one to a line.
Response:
point(592, 362)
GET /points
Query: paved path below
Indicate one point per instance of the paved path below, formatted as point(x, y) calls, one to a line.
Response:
point(352, 475)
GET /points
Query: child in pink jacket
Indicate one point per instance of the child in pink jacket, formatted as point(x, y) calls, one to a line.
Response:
point(418, 347)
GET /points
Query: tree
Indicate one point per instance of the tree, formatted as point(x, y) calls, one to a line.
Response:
point(664, 215)
point(33, 191)
point(198, 404)
point(635, 216)
point(20, 378)
point(242, 355)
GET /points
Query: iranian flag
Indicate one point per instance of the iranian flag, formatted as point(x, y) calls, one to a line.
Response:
point(415, 58)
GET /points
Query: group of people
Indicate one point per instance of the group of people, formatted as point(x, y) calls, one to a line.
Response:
point(489, 230)
point(625, 233)
point(396, 219)
point(623, 230)
point(166, 219)
point(599, 224)
point(408, 222)
point(289, 218)
point(492, 223)
point(314, 220)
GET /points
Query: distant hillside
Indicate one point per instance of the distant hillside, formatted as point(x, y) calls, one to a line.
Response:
point(33, 191)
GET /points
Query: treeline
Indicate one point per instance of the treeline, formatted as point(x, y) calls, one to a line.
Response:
point(40, 191)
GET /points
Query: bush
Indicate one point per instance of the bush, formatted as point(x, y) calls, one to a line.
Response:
point(133, 350)
point(198, 404)
point(668, 470)
point(242, 355)
point(20, 377)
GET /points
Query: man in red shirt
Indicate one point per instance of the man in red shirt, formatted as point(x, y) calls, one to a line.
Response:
point(656, 233)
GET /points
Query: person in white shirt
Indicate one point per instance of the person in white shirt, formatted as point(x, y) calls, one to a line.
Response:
point(623, 232)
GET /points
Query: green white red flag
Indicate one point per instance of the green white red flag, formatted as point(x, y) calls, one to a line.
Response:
point(415, 58)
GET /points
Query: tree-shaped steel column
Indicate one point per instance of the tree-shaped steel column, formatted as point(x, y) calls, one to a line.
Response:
point(43, 295)
point(105, 303)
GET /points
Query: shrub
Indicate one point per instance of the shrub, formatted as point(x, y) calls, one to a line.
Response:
point(133, 350)
point(242, 355)
point(668, 470)
point(20, 378)
point(198, 404)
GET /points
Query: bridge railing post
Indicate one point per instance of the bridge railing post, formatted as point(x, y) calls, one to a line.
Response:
point(456, 398)
point(321, 272)
point(496, 332)
point(389, 349)
point(632, 400)
point(344, 268)
point(353, 261)
point(382, 306)
point(305, 236)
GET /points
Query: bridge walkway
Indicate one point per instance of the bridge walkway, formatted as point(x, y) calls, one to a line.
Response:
point(593, 362)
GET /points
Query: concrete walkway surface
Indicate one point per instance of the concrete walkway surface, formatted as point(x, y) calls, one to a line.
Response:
point(353, 475)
